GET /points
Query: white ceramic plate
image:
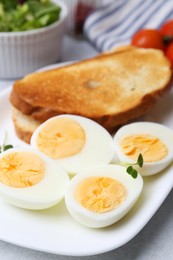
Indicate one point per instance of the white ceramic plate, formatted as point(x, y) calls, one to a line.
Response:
point(55, 231)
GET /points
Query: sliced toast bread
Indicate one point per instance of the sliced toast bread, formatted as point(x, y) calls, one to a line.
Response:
point(111, 88)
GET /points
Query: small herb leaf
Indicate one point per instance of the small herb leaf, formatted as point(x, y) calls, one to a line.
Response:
point(5, 146)
point(140, 160)
point(134, 173)
point(8, 146)
point(130, 170)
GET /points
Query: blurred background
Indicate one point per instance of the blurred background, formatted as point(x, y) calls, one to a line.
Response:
point(79, 11)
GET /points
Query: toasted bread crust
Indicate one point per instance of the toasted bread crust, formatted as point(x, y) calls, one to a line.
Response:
point(24, 135)
point(24, 132)
point(111, 89)
point(24, 125)
point(112, 122)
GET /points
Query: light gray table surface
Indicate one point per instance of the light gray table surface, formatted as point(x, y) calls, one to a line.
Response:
point(154, 242)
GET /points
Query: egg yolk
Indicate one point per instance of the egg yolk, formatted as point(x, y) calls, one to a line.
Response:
point(61, 138)
point(151, 148)
point(21, 169)
point(100, 194)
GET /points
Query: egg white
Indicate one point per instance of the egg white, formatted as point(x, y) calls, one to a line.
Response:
point(164, 133)
point(99, 220)
point(98, 149)
point(48, 192)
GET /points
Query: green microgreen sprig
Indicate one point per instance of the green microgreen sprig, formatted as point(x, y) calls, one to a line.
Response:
point(4, 147)
point(130, 169)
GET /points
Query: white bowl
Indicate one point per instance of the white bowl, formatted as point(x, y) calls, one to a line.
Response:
point(24, 52)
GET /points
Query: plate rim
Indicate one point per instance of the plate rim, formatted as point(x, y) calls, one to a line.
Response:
point(5, 93)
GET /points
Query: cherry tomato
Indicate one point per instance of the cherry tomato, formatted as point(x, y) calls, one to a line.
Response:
point(169, 52)
point(148, 38)
point(167, 28)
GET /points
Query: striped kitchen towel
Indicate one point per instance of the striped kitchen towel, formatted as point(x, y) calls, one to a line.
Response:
point(113, 25)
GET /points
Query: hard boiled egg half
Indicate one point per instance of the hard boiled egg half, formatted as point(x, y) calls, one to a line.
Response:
point(31, 180)
point(74, 141)
point(101, 195)
point(154, 141)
